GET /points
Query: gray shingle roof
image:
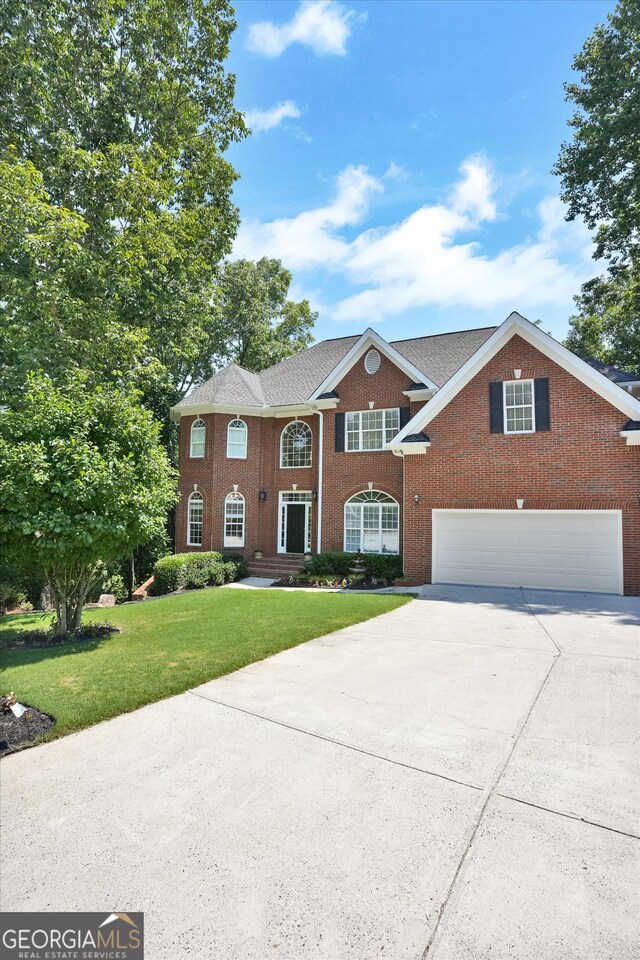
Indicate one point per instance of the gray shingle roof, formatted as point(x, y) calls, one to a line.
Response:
point(294, 380)
point(613, 373)
point(439, 356)
point(232, 384)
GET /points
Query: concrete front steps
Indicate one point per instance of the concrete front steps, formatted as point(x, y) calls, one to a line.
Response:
point(281, 565)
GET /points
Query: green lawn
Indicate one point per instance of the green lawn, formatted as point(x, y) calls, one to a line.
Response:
point(168, 645)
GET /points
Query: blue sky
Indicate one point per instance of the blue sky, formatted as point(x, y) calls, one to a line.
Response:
point(401, 156)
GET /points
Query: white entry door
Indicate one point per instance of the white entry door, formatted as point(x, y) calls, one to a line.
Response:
point(550, 549)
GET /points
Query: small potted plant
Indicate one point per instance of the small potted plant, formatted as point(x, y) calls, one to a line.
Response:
point(258, 554)
point(308, 555)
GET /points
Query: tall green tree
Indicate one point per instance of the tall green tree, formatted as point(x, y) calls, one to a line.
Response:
point(123, 111)
point(84, 480)
point(256, 324)
point(600, 176)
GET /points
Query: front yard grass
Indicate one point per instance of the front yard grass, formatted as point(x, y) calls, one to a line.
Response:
point(167, 646)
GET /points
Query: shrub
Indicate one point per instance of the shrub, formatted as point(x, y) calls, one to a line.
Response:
point(30, 583)
point(109, 581)
point(331, 563)
point(383, 565)
point(11, 598)
point(169, 574)
point(193, 570)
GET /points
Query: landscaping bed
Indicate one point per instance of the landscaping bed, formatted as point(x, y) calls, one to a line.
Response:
point(337, 570)
point(17, 731)
point(351, 582)
point(41, 639)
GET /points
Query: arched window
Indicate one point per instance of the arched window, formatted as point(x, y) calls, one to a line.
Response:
point(295, 445)
point(237, 440)
point(372, 523)
point(194, 520)
point(234, 520)
point(198, 435)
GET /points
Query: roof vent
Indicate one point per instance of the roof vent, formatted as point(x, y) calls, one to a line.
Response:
point(372, 361)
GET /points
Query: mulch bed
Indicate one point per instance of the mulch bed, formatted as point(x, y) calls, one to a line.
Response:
point(34, 640)
point(366, 584)
point(16, 731)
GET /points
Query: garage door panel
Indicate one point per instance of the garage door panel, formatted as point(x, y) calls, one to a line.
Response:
point(572, 550)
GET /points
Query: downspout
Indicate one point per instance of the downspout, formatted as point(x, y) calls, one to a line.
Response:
point(320, 464)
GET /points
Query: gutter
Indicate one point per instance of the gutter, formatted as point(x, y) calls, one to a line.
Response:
point(320, 466)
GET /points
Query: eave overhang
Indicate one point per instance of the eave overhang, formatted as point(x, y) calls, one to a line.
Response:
point(631, 433)
point(286, 410)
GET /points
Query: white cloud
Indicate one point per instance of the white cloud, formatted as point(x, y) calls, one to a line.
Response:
point(428, 259)
point(311, 239)
point(260, 120)
point(323, 25)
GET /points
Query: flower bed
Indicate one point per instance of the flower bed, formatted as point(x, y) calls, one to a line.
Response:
point(353, 581)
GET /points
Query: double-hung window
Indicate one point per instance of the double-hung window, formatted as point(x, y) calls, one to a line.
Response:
point(234, 520)
point(195, 511)
point(198, 436)
point(519, 407)
point(237, 440)
point(371, 429)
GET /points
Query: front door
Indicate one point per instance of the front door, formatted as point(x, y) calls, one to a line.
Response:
point(296, 527)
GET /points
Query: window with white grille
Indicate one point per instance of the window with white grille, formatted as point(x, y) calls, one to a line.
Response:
point(198, 437)
point(371, 429)
point(237, 440)
point(234, 520)
point(372, 523)
point(295, 445)
point(195, 512)
point(519, 415)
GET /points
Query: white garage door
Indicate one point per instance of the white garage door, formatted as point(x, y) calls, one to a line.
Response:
point(551, 549)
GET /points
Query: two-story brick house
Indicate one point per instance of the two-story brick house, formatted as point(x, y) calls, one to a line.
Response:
point(491, 456)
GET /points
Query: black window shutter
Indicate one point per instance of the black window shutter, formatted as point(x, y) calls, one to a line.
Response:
point(541, 397)
point(405, 416)
point(496, 409)
point(340, 432)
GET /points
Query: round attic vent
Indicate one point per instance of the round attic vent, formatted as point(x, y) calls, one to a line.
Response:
point(372, 361)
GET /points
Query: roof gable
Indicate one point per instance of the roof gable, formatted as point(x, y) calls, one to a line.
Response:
point(517, 324)
point(365, 342)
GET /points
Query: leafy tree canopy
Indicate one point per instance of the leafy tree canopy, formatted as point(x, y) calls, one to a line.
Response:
point(114, 118)
point(83, 479)
point(256, 325)
point(600, 176)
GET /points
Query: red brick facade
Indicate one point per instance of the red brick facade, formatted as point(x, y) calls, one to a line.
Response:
point(581, 463)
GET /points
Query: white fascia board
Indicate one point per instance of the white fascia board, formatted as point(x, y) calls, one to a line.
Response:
point(425, 394)
point(370, 339)
point(305, 409)
point(516, 324)
point(632, 437)
point(409, 449)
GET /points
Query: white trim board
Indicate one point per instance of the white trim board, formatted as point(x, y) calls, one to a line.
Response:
point(370, 339)
point(516, 324)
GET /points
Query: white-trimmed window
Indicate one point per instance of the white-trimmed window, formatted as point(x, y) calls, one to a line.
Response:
point(234, 520)
point(237, 440)
point(519, 407)
point(371, 429)
point(195, 511)
point(198, 437)
point(295, 445)
point(372, 523)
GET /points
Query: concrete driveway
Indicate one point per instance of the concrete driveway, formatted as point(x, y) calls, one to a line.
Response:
point(455, 779)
